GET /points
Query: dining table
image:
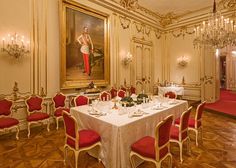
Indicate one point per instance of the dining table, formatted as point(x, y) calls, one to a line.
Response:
point(120, 126)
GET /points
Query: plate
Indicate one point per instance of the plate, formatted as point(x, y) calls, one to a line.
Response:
point(158, 108)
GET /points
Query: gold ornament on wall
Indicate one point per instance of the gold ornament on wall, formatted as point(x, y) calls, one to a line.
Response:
point(129, 4)
point(125, 22)
point(182, 32)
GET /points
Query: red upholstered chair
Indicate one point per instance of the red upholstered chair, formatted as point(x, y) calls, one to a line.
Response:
point(195, 124)
point(121, 93)
point(78, 140)
point(123, 88)
point(105, 96)
point(59, 104)
point(81, 100)
point(171, 95)
point(113, 92)
point(6, 121)
point(179, 134)
point(154, 149)
point(35, 112)
point(132, 90)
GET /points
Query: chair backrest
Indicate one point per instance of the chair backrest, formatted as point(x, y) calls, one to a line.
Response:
point(183, 126)
point(199, 112)
point(5, 107)
point(162, 135)
point(71, 129)
point(105, 96)
point(34, 103)
point(132, 90)
point(59, 100)
point(81, 100)
point(113, 92)
point(123, 88)
point(121, 93)
point(171, 95)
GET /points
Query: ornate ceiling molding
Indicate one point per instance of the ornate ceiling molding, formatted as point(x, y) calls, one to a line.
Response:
point(129, 4)
point(168, 19)
point(228, 4)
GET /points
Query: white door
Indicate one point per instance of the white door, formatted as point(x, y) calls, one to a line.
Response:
point(141, 75)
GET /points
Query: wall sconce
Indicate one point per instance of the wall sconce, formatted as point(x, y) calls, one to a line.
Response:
point(128, 59)
point(15, 45)
point(182, 61)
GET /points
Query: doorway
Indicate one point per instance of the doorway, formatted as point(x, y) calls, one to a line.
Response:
point(223, 72)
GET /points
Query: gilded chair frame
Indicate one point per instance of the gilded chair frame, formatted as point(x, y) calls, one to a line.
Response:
point(54, 109)
point(17, 127)
point(80, 96)
point(113, 88)
point(100, 96)
point(77, 150)
point(35, 111)
point(181, 141)
point(156, 161)
point(196, 129)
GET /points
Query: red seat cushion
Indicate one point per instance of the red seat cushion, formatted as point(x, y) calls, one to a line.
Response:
point(191, 122)
point(7, 122)
point(37, 116)
point(86, 138)
point(58, 112)
point(146, 147)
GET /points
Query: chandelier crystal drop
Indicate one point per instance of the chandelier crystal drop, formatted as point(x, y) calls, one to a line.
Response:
point(217, 32)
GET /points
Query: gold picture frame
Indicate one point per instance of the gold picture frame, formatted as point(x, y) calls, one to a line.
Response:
point(84, 46)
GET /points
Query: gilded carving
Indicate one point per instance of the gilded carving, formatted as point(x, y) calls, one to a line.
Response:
point(147, 30)
point(129, 4)
point(228, 4)
point(182, 32)
point(125, 22)
point(158, 33)
point(167, 19)
point(139, 27)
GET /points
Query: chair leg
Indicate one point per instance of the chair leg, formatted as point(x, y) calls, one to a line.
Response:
point(65, 154)
point(17, 132)
point(28, 129)
point(131, 161)
point(48, 125)
point(196, 131)
point(188, 146)
point(170, 161)
point(158, 165)
point(99, 153)
point(76, 158)
point(181, 151)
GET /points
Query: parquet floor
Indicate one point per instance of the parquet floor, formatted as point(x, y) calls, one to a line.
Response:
point(45, 149)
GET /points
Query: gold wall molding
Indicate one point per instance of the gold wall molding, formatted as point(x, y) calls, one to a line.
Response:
point(125, 22)
point(129, 4)
point(182, 32)
point(228, 4)
point(168, 19)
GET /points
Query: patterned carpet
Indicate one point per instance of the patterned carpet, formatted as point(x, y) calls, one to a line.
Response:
point(45, 149)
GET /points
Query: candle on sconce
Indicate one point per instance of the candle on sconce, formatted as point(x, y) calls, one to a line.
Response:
point(3, 42)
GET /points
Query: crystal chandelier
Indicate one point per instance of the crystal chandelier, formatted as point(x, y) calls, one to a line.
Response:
point(217, 32)
point(15, 45)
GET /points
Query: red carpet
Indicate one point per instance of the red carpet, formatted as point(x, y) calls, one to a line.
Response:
point(226, 104)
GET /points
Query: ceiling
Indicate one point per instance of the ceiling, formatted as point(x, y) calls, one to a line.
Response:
point(176, 6)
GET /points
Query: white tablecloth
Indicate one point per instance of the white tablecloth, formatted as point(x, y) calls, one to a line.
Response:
point(177, 89)
point(118, 132)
